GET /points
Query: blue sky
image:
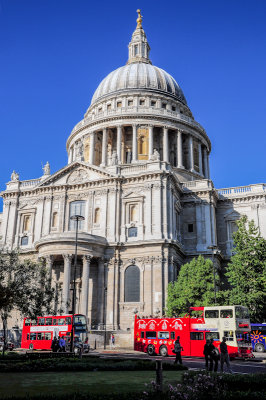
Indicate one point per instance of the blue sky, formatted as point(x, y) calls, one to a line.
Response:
point(54, 53)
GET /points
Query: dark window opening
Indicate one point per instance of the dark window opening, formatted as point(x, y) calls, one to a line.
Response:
point(150, 335)
point(196, 335)
point(132, 232)
point(190, 228)
point(132, 284)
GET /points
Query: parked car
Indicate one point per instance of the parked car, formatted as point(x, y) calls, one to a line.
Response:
point(9, 346)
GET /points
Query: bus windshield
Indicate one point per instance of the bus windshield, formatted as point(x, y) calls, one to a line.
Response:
point(242, 313)
point(243, 337)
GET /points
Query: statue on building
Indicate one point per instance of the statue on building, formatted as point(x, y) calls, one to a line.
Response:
point(155, 156)
point(79, 151)
point(114, 160)
point(46, 169)
point(14, 176)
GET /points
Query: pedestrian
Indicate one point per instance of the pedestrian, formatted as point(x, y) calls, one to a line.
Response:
point(112, 341)
point(214, 355)
point(54, 344)
point(206, 353)
point(177, 351)
point(62, 344)
point(225, 356)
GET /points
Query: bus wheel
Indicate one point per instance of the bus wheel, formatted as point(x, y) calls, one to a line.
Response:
point(259, 348)
point(163, 351)
point(151, 350)
point(31, 346)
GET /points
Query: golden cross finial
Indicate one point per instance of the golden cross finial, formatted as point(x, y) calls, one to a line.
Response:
point(139, 19)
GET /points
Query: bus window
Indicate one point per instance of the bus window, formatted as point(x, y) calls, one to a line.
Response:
point(54, 321)
point(47, 336)
point(229, 335)
point(151, 335)
point(27, 322)
point(211, 314)
point(28, 336)
point(33, 322)
point(196, 336)
point(172, 335)
point(68, 321)
point(33, 336)
point(212, 335)
point(142, 335)
point(39, 336)
point(48, 321)
point(41, 321)
point(61, 321)
point(163, 335)
point(226, 313)
point(243, 337)
point(242, 312)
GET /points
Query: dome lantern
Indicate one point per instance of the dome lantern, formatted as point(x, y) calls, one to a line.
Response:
point(138, 48)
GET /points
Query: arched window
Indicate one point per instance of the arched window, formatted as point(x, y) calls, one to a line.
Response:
point(76, 208)
point(134, 213)
point(97, 216)
point(26, 223)
point(55, 220)
point(132, 284)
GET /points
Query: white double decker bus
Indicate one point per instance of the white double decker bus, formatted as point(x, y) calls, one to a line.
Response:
point(231, 322)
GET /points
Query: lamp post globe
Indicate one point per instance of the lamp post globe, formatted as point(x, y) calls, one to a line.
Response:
point(75, 218)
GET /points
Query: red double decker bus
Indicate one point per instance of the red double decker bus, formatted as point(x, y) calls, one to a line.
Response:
point(157, 335)
point(38, 334)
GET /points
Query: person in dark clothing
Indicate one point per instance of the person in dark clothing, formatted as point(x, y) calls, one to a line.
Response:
point(62, 344)
point(54, 345)
point(206, 353)
point(177, 351)
point(224, 356)
point(214, 357)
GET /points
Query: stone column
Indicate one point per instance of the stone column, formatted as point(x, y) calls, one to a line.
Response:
point(104, 147)
point(91, 155)
point(119, 142)
point(150, 141)
point(179, 150)
point(49, 265)
point(200, 158)
point(165, 145)
point(191, 154)
point(85, 284)
point(134, 143)
point(100, 301)
point(66, 282)
point(208, 167)
point(205, 162)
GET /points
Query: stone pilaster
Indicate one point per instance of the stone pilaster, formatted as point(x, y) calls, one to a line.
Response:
point(165, 145)
point(66, 282)
point(150, 141)
point(200, 159)
point(101, 283)
point(134, 143)
point(104, 147)
point(85, 284)
point(179, 150)
point(205, 162)
point(119, 142)
point(191, 154)
point(92, 141)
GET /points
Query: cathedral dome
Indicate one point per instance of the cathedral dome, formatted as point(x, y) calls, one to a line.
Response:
point(139, 75)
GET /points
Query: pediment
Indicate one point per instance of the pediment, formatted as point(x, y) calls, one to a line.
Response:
point(76, 173)
point(130, 194)
point(232, 216)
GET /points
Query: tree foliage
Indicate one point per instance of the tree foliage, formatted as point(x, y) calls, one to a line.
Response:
point(194, 287)
point(246, 272)
point(24, 286)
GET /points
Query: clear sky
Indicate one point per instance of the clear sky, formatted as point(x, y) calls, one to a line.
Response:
point(54, 53)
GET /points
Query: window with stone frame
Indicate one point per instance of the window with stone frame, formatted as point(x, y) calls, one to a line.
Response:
point(130, 103)
point(26, 223)
point(132, 284)
point(133, 213)
point(142, 102)
point(55, 219)
point(109, 106)
point(76, 208)
point(97, 216)
point(119, 104)
point(24, 241)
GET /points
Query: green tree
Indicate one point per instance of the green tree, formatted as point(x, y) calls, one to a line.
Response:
point(24, 286)
point(246, 273)
point(193, 287)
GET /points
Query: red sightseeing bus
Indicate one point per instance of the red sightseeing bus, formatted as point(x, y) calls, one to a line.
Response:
point(38, 334)
point(157, 335)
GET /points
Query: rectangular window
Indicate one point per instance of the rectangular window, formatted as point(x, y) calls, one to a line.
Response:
point(196, 336)
point(28, 336)
point(61, 321)
point(153, 103)
point(173, 108)
point(135, 50)
point(142, 102)
point(27, 322)
point(211, 314)
point(24, 241)
point(33, 322)
point(39, 336)
point(48, 321)
point(68, 320)
point(130, 103)
point(190, 228)
point(108, 106)
point(119, 104)
point(226, 313)
point(132, 232)
point(41, 321)
point(47, 336)
point(150, 335)
point(55, 321)
point(77, 208)
point(164, 105)
point(172, 335)
point(33, 336)
point(163, 335)
point(229, 335)
point(142, 335)
point(212, 335)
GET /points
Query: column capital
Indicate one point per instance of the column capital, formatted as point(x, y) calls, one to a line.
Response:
point(165, 127)
point(87, 258)
point(67, 257)
point(49, 258)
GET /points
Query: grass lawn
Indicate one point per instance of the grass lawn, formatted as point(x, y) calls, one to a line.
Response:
point(102, 382)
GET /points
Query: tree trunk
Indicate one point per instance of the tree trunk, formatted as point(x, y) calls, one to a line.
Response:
point(4, 320)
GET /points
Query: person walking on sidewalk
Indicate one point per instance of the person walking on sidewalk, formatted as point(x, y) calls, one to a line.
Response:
point(214, 354)
point(112, 341)
point(225, 356)
point(177, 351)
point(207, 354)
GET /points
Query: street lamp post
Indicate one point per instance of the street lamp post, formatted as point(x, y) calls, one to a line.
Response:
point(104, 304)
point(212, 248)
point(76, 218)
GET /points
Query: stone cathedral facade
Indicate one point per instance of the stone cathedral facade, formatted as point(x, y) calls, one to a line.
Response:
point(138, 172)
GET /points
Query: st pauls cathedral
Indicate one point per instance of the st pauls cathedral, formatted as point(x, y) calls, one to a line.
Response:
point(138, 172)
